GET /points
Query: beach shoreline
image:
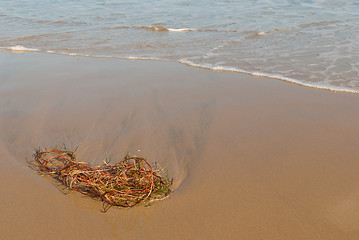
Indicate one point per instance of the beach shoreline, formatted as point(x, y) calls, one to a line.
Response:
point(251, 158)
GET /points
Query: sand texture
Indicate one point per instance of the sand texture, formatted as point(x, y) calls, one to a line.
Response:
point(252, 158)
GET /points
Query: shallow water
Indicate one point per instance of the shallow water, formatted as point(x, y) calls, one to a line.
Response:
point(313, 43)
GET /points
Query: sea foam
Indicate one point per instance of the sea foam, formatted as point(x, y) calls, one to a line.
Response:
point(20, 48)
point(321, 85)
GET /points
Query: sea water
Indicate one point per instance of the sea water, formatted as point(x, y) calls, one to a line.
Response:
point(309, 42)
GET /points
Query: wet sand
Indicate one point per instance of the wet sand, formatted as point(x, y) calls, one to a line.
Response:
point(252, 158)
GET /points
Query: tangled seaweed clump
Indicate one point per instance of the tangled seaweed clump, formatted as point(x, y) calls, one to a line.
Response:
point(126, 184)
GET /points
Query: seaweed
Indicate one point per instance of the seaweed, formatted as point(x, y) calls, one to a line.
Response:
point(125, 184)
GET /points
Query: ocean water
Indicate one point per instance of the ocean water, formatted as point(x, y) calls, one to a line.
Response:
point(310, 42)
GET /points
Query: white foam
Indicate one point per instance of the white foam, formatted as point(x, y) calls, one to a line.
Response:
point(140, 58)
point(182, 29)
point(323, 86)
point(77, 54)
point(228, 69)
point(20, 48)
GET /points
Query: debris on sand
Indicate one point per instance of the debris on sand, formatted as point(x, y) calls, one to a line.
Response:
point(126, 184)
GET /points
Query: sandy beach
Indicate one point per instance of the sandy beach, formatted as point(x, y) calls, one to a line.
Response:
point(252, 158)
